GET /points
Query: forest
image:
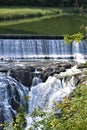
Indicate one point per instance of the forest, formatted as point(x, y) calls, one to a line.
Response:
point(50, 3)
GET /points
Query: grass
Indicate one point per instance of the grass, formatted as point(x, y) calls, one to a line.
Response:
point(25, 12)
point(45, 21)
point(11, 13)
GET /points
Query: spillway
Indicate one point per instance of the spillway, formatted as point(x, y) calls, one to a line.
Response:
point(26, 49)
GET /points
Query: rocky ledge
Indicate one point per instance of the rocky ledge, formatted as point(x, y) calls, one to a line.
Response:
point(24, 71)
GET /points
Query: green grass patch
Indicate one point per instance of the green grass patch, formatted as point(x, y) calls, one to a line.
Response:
point(12, 13)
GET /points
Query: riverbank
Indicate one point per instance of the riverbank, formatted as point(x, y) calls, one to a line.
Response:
point(27, 36)
point(40, 21)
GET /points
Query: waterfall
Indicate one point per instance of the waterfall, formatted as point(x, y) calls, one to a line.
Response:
point(42, 94)
point(40, 49)
point(12, 95)
point(53, 90)
point(46, 95)
point(36, 80)
point(77, 52)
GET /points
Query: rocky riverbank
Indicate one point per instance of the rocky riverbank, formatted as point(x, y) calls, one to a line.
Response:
point(13, 75)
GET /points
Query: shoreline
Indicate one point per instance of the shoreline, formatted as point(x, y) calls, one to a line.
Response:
point(26, 36)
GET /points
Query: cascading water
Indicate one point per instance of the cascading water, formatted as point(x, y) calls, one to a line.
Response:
point(41, 94)
point(77, 52)
point(41, 49)
point(12, 95)
point(36, 80)
point(56, 87)
point(44, 94)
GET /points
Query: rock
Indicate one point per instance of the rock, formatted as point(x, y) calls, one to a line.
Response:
point(24, 75)
point(54, 68)
point(4, 70)
point(81, 66)
point(46, 73)
point(59, 69)
point(15, 105)
point(82, 79)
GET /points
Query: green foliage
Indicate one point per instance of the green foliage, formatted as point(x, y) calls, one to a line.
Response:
point(85, 65)
point(26, 98)
point(13, 13)
point(74, 110)
point(85, 72)
point(75, 37)
point(56, 3)
point(38, 111)
point(74, 113)
point(16, 124)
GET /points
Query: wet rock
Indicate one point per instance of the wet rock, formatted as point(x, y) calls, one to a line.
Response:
point(54, 68)
point(24, 75)
point(66, 65)
point(15, 105)
point(46, 73)
point(59, 69)
point(4, 70)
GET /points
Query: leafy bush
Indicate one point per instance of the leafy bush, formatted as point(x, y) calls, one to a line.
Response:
point(75, 37)
point(74, 113)
point(16, 124)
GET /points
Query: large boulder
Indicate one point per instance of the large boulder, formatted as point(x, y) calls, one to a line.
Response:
point(54, 68)
point(24, 75)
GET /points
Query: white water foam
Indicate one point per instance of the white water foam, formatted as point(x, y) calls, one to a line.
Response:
point(56, 87)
